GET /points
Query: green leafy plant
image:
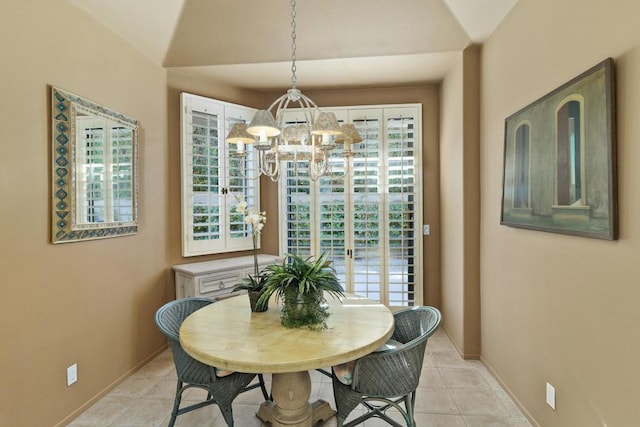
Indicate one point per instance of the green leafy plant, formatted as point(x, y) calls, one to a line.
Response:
point(301, 284)
point(252, 283)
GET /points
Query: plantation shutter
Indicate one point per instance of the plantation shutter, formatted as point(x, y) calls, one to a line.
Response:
point(211, 178)
point(366, 222)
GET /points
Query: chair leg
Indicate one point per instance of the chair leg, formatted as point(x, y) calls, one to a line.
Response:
point(227, 413)
point(263, 387)
point(324, 372)
point(377, 408)
point(176, 404)
point(409, 403)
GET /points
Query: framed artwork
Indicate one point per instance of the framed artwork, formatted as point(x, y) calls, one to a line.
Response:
point(560, 159)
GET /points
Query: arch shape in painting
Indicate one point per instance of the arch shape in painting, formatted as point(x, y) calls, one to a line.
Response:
point(522, 166)
point(570, 173)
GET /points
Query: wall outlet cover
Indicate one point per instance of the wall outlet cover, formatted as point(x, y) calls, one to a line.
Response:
point(551, 396)
point(72, 374)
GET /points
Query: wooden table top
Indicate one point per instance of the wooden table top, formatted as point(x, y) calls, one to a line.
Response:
point(227, 335)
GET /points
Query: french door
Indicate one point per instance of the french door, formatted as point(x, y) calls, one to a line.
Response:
point(368, 221)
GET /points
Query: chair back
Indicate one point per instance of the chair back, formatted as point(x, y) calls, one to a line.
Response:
point(416, 323)
point(396, 371)
point(169, 318)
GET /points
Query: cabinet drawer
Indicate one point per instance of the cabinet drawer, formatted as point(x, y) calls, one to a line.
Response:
point(218, 281)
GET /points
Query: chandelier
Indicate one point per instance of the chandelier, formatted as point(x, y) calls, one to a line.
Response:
point(307, 143)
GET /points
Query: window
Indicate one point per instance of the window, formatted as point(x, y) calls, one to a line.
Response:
point(368, 222)
point(211, 178)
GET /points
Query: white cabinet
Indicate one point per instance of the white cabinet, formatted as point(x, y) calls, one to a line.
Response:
point(216, 278)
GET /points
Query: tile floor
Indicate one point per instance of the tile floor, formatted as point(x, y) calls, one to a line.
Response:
point(452, 392)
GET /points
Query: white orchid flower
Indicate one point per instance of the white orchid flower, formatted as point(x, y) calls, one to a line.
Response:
point(256, 220)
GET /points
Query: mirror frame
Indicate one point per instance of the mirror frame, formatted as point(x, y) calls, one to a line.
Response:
point(64, 225)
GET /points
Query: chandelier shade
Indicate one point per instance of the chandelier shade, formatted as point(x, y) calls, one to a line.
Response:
point(349, 134)
point(326, 124)
point(263, 125)
point(238, 133)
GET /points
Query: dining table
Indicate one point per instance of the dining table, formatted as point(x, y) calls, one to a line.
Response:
point(229, 336)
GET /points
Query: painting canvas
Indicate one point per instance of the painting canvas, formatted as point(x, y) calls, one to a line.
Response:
point(560, 160)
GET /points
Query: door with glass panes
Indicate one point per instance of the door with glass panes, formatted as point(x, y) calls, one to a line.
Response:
point(368, 221)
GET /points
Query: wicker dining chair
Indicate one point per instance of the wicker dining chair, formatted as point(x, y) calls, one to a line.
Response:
point(389, 378)
point(221, 390)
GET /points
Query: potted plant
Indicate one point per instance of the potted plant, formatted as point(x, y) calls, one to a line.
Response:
point(301, 283)
point(254, 283)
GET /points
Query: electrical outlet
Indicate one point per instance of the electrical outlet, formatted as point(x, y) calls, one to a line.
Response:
point(426, 230)
point(551, 396)
point(72, 374)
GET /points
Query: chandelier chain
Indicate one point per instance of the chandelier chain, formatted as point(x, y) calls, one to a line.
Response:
point(293, 43)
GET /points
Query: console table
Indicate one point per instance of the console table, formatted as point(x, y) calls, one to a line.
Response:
point(216, 278)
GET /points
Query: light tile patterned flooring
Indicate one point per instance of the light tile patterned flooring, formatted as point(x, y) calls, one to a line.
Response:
point(452, 392)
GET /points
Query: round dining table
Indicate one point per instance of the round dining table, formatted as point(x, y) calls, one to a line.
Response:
point(229, 336)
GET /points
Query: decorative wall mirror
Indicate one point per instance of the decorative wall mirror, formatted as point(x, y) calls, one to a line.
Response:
point(94, 172)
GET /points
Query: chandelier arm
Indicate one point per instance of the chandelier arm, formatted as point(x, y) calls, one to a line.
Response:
point(345, 174)
point(250, 178)
point(347, 167)
point(276, 171)
point(295, 164)
point(324, 165)
point(282, 106)
point(312, 161)
point(310, 109)
point(242, 160)
point(308, 101)
point(277, 102)
point(313, 173)
point(315, 169)
point(319, 170)
point(263, 164)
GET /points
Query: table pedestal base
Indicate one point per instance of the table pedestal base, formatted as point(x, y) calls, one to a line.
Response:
point(291, 407)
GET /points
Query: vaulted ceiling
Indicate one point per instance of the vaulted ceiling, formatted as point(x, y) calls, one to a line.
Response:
point(340, 43)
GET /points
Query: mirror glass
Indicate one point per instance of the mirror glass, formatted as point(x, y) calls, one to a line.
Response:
point(95, 170)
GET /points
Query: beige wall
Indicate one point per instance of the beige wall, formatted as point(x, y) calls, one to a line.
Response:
point(451, 192)
point(90, 303)
point(558, 308)
point(459, 197)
